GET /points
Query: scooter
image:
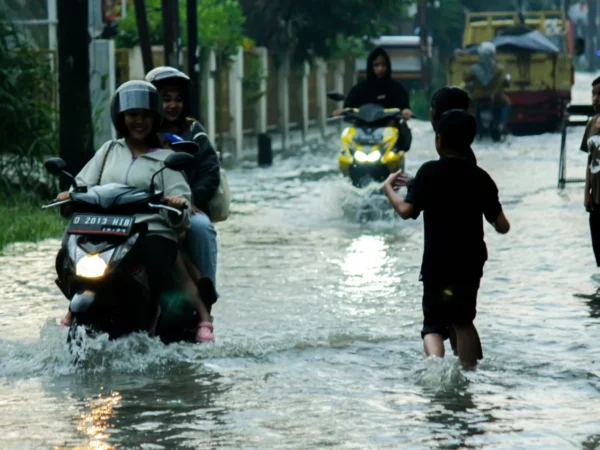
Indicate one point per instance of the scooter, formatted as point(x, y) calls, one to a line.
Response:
point(106, 285)
point(370, 143)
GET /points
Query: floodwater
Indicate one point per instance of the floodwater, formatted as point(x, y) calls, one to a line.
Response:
point(318, 327)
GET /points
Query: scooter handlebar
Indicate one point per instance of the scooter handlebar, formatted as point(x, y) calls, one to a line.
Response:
point(166, 208)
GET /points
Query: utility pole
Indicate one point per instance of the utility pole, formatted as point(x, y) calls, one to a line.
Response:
point(76, 132)
point(592, 35)
point(143, 34)
point(424, 38)
point(170, 13)
point(193, 57)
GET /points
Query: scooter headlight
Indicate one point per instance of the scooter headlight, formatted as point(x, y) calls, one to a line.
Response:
point(371, 157)
point(360, 156)
point(91, 266)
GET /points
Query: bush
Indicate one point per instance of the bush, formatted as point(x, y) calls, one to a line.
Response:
point(22, 220)
point(28, 125)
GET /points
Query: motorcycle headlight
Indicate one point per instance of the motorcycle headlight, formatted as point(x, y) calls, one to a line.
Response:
point(91, 266)
point(360, 156)
point(374, 156)
point(371, 157)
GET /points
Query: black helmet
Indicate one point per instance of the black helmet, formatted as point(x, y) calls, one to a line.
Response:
point(164, 76)
point(135, 94)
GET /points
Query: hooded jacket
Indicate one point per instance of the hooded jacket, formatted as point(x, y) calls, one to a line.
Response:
point(385, 91)
point(121, 167)
point(204, 175)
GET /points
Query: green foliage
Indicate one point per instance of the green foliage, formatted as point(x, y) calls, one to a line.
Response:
point(348, 46)
point(28, 132)
point(22, 220)
point(254, 75)
point(312, 27)
point(220, 26)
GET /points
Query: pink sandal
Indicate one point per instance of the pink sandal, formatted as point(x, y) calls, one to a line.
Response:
point(67, 320)
point(205, 332)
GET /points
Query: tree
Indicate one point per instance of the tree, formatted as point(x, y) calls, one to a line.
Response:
point(301, 29)
point(75, 111)
point(220, 26)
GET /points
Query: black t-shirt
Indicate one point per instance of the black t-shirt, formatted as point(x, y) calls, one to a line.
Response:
point(454, 195)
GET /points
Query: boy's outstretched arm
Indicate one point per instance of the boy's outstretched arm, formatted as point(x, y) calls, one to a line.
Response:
point(395, 181)
point(501, 223)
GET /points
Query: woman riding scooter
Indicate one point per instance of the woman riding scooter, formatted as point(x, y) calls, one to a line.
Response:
point(136, 112)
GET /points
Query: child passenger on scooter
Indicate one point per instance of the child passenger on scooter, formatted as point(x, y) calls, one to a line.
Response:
point(200, 243)
point(454, 194)
point(136, 113)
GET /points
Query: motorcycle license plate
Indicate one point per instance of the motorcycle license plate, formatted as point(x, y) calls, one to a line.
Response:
point(101, 224)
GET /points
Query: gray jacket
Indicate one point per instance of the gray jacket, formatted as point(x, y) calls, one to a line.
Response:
point(122, 168)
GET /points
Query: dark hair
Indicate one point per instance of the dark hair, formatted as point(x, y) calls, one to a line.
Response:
point(448, 98)
point(457, 129)
point(596, 82)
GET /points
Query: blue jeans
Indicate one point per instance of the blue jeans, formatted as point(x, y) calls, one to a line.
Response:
point(201, 246)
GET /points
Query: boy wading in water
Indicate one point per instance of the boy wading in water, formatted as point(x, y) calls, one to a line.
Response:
point(591, 145)
point(454, 194)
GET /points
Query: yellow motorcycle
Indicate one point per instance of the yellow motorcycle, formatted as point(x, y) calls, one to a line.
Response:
point(369, 145)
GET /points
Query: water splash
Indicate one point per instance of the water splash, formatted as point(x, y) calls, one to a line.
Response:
point(440, 374)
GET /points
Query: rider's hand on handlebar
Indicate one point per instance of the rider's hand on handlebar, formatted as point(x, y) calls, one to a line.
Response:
point(337, 112)
point(175, 202)
point(63, 196)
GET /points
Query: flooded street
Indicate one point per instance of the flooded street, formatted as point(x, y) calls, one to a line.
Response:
point(318, 326)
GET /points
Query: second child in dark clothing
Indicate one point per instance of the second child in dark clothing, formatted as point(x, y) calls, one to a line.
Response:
point(454, 195)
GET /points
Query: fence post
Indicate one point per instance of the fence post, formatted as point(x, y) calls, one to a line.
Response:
point(211, 105)
point(340, 70)
point(261, 104)
point(102, 88)
point(236, 107)
point(305, 100)
point(321, 67)
point(283, 75)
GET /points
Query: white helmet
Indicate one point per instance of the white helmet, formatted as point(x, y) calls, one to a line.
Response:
point(486, 49)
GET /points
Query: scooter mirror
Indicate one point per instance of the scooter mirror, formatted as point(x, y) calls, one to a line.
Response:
point(56, 166)
point(336, 96)
point(178, 161)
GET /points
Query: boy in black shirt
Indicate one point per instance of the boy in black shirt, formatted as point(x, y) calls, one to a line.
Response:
point(454, 194)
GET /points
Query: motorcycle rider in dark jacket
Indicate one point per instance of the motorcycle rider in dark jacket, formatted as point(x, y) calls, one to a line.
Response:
point(380, 88)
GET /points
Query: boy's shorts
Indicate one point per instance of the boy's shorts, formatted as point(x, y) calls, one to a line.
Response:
point(447, 304)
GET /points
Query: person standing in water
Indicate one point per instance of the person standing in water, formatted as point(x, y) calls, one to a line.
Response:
point(591, 145)
point(454, 194)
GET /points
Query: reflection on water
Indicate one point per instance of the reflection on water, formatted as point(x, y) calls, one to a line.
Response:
point(318, 328)
point(98, 417)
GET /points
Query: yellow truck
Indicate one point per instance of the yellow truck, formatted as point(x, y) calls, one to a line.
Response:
point(535, 48)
